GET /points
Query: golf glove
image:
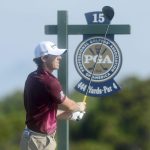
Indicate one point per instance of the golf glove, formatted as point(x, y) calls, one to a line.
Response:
point(77, 116)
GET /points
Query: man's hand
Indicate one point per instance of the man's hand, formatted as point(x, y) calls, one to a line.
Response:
point(82, 106)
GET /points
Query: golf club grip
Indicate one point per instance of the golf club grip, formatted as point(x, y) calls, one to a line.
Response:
point(85, 97)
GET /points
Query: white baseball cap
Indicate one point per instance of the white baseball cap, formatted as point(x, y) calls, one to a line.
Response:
point(47, 47)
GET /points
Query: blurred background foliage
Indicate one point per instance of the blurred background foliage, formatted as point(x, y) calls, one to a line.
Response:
point(117, 122)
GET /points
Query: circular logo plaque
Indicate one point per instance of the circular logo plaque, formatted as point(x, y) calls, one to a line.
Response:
point(100, 53)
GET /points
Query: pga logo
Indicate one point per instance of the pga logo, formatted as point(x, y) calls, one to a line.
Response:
point(100, 59)
point(102, 54)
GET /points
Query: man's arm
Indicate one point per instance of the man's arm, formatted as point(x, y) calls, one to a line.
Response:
point(62, 114)
point(70, 105)
point(66, 109)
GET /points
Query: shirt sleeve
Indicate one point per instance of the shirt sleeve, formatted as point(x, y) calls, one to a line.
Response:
point(54, 90)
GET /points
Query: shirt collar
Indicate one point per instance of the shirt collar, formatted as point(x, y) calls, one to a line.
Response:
point(44, 71)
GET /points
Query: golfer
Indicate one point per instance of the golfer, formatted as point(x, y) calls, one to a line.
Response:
point(45, 101)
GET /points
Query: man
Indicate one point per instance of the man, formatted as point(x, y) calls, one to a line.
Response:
point(45, 101)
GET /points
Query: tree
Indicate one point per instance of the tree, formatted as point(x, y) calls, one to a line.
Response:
point(12, 118)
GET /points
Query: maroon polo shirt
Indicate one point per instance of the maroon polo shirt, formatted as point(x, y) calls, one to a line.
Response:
point(42, 94)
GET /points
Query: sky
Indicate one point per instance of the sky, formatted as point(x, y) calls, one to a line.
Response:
point(22, 28)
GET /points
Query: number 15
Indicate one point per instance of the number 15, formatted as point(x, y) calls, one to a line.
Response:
point(98, 18)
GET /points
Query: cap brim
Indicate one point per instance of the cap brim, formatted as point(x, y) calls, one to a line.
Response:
point(57, 51)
